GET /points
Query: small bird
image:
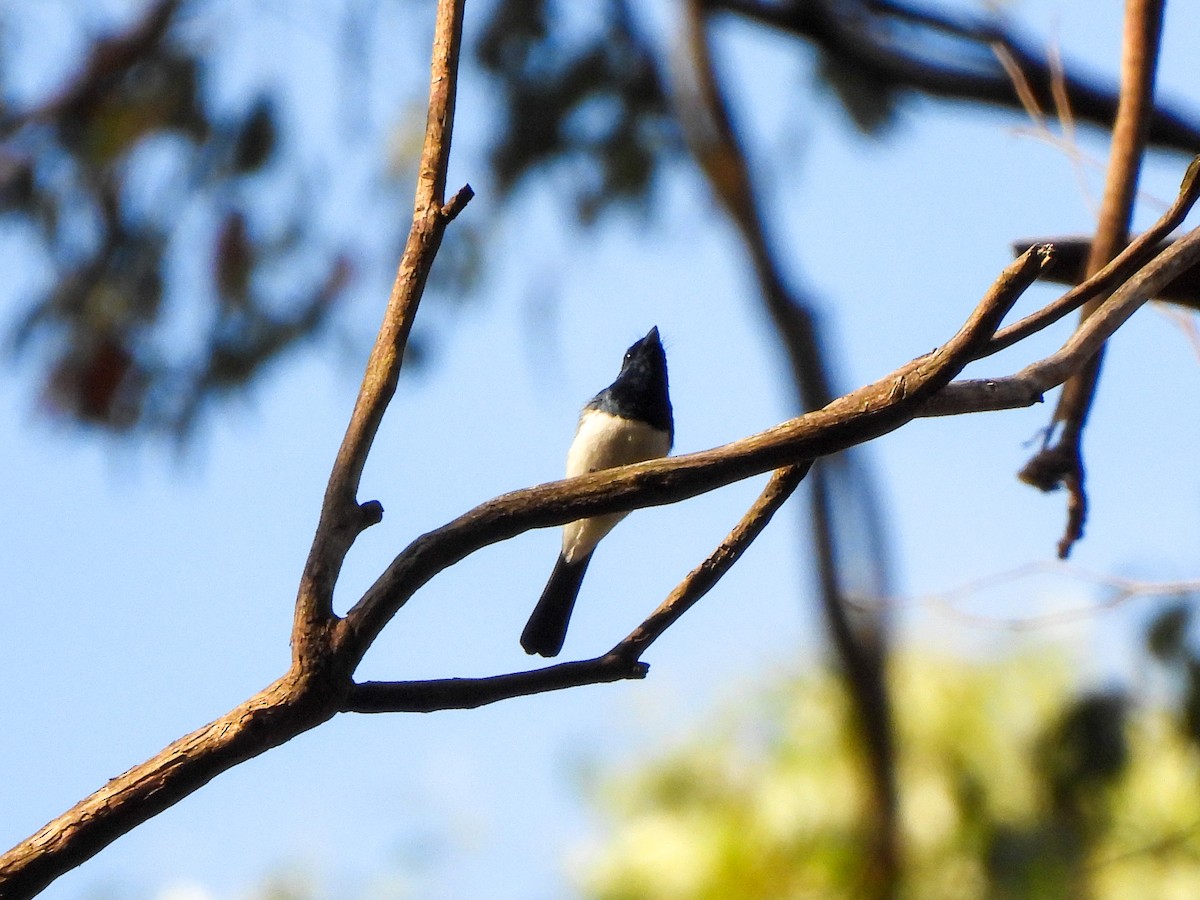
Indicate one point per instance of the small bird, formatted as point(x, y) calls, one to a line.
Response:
point(627, 422)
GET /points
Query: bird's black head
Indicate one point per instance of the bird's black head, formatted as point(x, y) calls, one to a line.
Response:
point(640, 391)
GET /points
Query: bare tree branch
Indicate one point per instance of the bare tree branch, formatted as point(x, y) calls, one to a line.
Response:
point(1084, 343)
point(307, 696)
point(1061, 465)
point(1070, 268)
point(621, 662)
point(270, 718)
point(471, 693)
point(911, 390)
point(704, 577)
point(859, 416)
point(342, 517)
point(327, 649)
point(1027, 386)
point(1144, 247)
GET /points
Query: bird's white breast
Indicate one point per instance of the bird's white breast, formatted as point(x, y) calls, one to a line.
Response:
point(603, 441)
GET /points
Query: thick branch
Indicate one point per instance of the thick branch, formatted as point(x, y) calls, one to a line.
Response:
point(270, 718)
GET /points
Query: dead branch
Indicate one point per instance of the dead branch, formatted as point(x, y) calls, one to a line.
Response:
point(1061, 465)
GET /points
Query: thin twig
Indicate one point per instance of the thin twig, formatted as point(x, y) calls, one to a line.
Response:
point(1119, 591)
point(874, 409)
point(1020, 84)
point(704, 577)
point(1128, 261)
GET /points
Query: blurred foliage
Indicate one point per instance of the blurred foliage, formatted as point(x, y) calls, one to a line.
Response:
point(1167, 640)
point(596, 104)
point(73, 170)
point(1009, 787)
point(130, 335)
point(870, 102)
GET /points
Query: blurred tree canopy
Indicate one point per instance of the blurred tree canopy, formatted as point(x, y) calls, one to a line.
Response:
point(147, 192)
point(1010, 785)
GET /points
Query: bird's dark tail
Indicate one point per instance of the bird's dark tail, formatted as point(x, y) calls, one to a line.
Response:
point(547, 627)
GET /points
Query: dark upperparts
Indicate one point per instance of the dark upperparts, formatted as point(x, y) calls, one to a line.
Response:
point(640, 391)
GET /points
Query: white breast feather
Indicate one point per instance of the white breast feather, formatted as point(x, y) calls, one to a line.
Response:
point(602, 442)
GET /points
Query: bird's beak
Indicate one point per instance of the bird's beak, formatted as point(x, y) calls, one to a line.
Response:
point(653, 335)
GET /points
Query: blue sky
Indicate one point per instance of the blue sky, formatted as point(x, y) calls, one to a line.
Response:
point(146, 595)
